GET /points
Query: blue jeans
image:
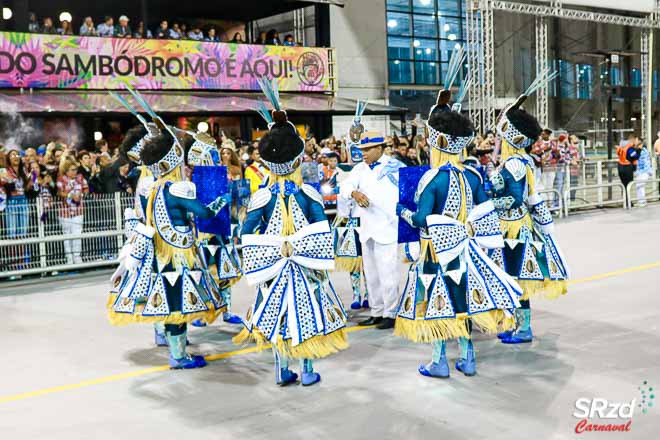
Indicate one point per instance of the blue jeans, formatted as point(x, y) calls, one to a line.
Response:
point(17, 217)
point(559, 183)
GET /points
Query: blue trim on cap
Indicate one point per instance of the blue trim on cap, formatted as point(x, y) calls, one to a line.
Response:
point(368, 140)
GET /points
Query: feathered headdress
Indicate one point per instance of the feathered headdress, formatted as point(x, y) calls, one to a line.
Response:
point(515, 125)
point(448, 130)
point(282, 147)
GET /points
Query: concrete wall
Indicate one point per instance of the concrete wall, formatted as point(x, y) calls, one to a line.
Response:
point(358, 33)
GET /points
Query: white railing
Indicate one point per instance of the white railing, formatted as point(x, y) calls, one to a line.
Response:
point(653, 193)
point(44, 235)
point(32, 239)
point(559, 208)
point(568, 205)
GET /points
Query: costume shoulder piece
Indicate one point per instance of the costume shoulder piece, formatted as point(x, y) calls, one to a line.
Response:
point(424, 182)
point(516, 167)
point(185, 190)
point(312, 193)
point(259, 199)
point(475, 172)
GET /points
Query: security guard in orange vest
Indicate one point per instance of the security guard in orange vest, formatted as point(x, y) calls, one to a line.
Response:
point(628, 155)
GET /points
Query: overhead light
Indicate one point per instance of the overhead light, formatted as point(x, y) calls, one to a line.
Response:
point(416, 43)
point(446, 28)
point(396, 62)
point(633, 119)
point(457, 46)
point(98, 135)
point(432, 64)
point(203, 127)
point(392, 23)
point(66, 16)
point(419, 51)
point(6, 13)
point(428, 51)
point(425, 2)
point(451, 37)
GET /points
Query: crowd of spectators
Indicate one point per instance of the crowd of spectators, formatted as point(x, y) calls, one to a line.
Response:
point(123, 28)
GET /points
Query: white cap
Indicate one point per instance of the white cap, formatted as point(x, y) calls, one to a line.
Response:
point(123, 17)
point(325, 151)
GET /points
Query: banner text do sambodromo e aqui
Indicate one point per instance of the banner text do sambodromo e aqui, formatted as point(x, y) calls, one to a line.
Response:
point(72, 62)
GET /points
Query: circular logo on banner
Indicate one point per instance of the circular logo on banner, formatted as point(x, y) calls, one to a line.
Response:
point(310, 69)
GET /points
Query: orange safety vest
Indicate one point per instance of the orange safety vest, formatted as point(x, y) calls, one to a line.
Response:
point(622, 152)
point(327, 175)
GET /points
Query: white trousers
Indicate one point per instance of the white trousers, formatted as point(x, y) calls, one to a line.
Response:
point(640, 180)
point(72, 248)
point(381, 271)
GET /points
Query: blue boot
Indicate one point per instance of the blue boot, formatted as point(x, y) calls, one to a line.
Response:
point(438, 366)
point(286, 377)
point(519, 337)
point(505, 335)
point(159, 339)
point(434, 369)
point(365, 304)
point(467, 364)
point(231, 319)
point(355, 305)
point(355, 285)
point(523, 333)
point(179, 359)
point(187, 362)
point(198, 323)
point(309, 377)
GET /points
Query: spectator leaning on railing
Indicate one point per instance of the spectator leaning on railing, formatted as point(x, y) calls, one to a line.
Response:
point(87, 29)
point(643, 173)
point(71, 188)
point(123, 30)
point(107, 28)
point(48, 27)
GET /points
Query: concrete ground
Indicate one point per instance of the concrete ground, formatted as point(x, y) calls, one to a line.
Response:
point(67, 374)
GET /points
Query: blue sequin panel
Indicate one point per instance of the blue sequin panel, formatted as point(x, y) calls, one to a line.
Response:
point(211, 183)
point(409, 178)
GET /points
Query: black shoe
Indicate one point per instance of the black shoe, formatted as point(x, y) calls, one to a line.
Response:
point(386, 323)
point(371, 321)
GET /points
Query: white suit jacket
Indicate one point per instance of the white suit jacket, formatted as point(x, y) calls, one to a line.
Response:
point(381, 186)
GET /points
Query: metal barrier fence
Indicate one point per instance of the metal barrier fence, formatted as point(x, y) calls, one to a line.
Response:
point(651, 191)
point(44, 235)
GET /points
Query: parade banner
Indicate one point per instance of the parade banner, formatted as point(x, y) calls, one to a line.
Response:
point(73, 62)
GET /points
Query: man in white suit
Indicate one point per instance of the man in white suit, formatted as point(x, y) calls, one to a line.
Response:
point(374, 186)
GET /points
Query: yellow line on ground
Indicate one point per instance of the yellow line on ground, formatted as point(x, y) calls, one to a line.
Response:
point(615, 273)
point(234, 353)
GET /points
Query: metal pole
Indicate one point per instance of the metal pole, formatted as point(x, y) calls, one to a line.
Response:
point(488, 62)
point(541, 40)
point(610, 123)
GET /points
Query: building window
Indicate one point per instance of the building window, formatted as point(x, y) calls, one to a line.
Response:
point(421, 35)
point(635, 77)
point(584, 75)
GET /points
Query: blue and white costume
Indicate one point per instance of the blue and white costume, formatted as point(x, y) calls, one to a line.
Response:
point(348, 249)
point(161, 278)
point(219, 255)
point(531, 255)
point(453, 284)
point(287, 249)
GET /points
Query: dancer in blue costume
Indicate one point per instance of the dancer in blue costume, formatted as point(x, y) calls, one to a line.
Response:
point(161, 278)
point(219, 255)
point(453, 284)
point(348, 249)
point(531, 255)
point(287, 249)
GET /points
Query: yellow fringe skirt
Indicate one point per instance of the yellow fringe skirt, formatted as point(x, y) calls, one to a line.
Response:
point(548, 289)
point(317, 347)
point(427, 331)
point(175, 318)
